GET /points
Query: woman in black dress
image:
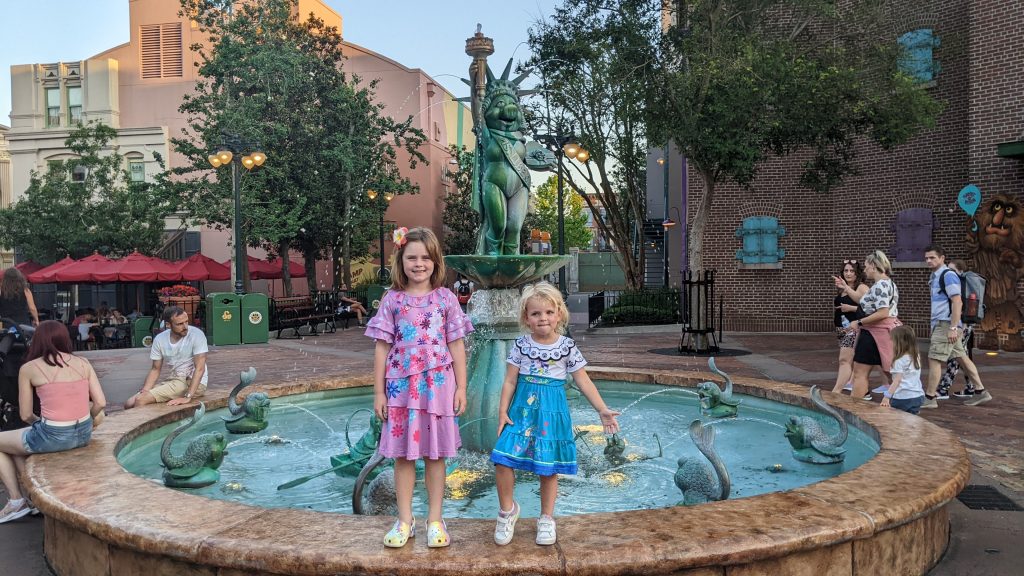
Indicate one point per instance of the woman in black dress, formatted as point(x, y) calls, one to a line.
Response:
point(846, 313)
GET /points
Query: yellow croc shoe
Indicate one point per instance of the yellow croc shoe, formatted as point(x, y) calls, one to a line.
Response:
point(437, 535)
point(400, 534)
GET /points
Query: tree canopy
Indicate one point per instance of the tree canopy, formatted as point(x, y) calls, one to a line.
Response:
point(277, 82)
point(577, 233)
point(88, 203)
point(460, 220)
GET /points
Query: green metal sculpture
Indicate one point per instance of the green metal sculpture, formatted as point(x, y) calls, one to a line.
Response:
point(504, 158)
point(809, 439)
point(197, 467)
point(702, 481)
point(714, 401)
point(351, 462)
point(251, 416)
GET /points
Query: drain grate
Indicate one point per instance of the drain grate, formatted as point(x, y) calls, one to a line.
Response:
point(982, 497)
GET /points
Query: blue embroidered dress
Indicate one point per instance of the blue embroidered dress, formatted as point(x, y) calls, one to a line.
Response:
point(540, 439)
point(419, 380)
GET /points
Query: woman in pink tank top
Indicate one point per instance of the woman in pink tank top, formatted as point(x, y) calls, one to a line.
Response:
point(71, 404)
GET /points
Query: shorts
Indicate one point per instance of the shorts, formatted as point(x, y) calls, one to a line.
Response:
point(174, 387)
point(941, 348)
point(908, 405)
point(846, 339)
point(41, 437)
point(866, 351)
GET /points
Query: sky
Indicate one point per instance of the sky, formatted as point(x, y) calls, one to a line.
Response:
point(426, 34)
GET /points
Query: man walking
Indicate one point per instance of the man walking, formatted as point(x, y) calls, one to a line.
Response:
point(946, 343)
point(184, 348)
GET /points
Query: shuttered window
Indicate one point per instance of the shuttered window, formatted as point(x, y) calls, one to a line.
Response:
point(162, 51)
point(760, 236)
point(913, 229)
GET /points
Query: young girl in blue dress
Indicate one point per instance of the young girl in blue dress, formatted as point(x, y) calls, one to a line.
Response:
point(534, 427)
point(419, 378)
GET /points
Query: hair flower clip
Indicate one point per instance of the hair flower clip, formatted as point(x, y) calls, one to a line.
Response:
point(398, 236)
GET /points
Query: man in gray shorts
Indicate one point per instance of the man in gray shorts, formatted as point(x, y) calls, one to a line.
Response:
point(946, 341)
point(184, 348)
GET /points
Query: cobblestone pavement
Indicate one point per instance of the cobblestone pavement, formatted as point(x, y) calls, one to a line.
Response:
point(992, 433)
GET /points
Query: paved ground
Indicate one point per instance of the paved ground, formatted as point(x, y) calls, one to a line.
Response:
point(983, 542)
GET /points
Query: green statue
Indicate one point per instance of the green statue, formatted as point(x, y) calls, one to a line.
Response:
point(701, 481)
point(810, 441)
point(351, 462)
point(714, 401)
point(251, 416)
point(197, 467)
point(504, 157)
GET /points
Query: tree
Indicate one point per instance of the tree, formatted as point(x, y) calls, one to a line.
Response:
point(278, 82)
point(461, 222)
point(577, 233)
point(744, 79)
point(595, 64)
point(86, 204)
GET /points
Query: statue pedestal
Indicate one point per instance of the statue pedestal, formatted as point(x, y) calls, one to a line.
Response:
point(495, 315)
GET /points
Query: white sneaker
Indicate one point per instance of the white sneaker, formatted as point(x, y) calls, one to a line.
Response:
point(506, 526)
point(849, 386)
point(14, 511)
point(881, 389)
point(546, 531)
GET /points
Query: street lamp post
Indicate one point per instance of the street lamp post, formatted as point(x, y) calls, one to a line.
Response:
point(232, 151)
point(388, 196)
point(562, 144)
point(664, 237)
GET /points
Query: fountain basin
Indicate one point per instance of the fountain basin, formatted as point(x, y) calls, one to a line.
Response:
point(505, 271)
point(101, 519)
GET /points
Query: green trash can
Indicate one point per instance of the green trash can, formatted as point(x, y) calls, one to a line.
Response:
point(141, 335)
point(255, 321)
point(223, 318)
point(374, 292)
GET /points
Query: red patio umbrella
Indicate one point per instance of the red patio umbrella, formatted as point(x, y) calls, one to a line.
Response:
point(199, 267)
point(135, 267)
point(81, 270)
point(263, 270)
point(29, 266)
point(46, 275)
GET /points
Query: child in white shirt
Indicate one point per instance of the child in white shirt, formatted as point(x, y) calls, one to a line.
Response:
point(905, 393)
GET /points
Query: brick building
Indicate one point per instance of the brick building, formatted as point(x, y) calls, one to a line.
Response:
point(901, 200)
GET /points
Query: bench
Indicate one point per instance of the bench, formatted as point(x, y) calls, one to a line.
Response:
point(294, 312)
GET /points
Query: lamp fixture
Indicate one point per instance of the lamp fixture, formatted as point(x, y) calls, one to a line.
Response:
point(388, 196)
point(668, 223)
point(661, 161)
point(225, 156)
point(371, 193)
point(582, 155)
point(571, 149)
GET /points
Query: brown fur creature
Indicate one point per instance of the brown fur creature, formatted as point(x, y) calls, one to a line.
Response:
point(997, 249)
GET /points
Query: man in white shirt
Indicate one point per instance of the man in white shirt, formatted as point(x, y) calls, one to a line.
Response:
point(184, 348)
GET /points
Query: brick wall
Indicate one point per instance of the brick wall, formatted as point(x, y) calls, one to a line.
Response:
point(981, 84)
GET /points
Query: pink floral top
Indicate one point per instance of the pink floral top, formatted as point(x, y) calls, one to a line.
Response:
point(419, 329)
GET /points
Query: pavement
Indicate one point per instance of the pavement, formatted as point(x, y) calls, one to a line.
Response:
point(982, 542)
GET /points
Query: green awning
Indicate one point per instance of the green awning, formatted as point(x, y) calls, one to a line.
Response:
point(1011, 149)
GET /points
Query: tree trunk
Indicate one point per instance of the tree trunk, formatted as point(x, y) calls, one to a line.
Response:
point(336, 261)
point(309, 255)
point(699, 223)
point(286, 277)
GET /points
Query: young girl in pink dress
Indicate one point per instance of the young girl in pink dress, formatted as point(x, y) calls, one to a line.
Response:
point(419, 378)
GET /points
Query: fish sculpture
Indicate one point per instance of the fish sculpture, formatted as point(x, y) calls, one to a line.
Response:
point(809, 438)
point(197, 467)
point(702, 481)
point(714, 401)
point(251, 415)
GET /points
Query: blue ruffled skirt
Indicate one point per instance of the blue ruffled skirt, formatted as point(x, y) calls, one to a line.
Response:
point(540, 440)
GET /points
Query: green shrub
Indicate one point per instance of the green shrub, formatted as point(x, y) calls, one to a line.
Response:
point(620, 314)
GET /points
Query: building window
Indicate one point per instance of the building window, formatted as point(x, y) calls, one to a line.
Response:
point(78, 173)
point(760, 236)
point(917, 60)
point(52, 107)
point(74, 105)
point(161, 50)
point(137, 170)
point(913, 229)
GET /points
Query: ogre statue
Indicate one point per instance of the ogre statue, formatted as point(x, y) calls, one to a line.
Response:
point(698, 480)
point(501, 175)
point(251, 416)
point(809, 439)
point(714, 401)
point(197, 467)
point(997, 248)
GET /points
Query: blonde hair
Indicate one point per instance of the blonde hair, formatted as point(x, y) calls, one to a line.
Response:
point(426, 237)
point(547, 293)
point(904, 343)
point(879, 260)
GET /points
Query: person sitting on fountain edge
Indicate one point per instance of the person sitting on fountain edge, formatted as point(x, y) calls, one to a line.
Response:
point(184, 348)
point(534, 427)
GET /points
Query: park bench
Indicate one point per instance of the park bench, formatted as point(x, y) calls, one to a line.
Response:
point(294, 312)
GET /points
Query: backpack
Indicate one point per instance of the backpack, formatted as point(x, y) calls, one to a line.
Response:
point(972, 289)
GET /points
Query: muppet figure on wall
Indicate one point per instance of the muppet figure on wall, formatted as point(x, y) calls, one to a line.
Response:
point(995, 242)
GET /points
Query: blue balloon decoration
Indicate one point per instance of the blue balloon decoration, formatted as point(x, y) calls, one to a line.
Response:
point(969, 199)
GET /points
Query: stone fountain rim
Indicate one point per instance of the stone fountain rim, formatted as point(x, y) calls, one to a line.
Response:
point(86, 491)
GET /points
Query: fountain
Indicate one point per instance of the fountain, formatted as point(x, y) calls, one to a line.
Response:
point(622, 514)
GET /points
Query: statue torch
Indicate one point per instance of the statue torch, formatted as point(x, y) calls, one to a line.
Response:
point(479, 47)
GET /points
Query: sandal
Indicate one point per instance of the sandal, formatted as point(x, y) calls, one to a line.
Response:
point(437, 535)
point(400, 534)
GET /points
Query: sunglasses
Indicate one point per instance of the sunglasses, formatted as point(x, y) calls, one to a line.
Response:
point(849, 261)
